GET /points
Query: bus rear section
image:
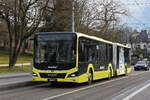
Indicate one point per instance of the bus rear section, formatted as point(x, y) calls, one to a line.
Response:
point(121, 59)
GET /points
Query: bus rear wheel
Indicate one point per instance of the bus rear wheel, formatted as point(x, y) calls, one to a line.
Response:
point(90, 77)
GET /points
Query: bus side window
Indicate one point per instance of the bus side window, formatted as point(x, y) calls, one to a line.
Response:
point(102, 55)
point(97, 54)
point(90, 55)
point(110, 53)
point(118, 50)
point(81, 49)
point(92, 52)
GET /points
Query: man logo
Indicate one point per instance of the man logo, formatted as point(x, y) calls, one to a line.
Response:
point(54, 67)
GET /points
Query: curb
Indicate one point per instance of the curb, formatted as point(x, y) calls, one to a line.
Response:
point(15, 76)
point(18, 85)
point(23, 64)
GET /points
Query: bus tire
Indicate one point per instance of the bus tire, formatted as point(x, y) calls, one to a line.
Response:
point(90, 77)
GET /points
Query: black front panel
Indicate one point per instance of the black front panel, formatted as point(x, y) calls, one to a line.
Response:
point(52, 75)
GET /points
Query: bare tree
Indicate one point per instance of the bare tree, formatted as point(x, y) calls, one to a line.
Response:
point(23, 18)
point(94, 17)
point(108, 14)
point(98, 18)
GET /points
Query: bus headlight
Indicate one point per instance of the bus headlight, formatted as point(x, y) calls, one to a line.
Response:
point(72, 75)
point(34, 74)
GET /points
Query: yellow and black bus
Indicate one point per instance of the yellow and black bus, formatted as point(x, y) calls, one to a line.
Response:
point(78, 58)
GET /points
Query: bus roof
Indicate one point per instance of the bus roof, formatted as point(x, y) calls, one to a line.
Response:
point(42, 33)
point(122, 45)
point(87, 36)
point(102, 40)
point(93, 37)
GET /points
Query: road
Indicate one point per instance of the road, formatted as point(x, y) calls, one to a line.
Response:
point(135, 86)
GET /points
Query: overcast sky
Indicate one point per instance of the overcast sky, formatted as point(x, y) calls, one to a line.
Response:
point(139, 13)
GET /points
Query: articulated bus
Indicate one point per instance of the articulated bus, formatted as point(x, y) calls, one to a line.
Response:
point(78, 58)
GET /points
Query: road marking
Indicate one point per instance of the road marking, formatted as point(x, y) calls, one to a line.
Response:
point(136, 92)
point(59, 95)
point(127, 91)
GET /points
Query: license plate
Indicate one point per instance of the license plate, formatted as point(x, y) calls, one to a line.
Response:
point(52, 80)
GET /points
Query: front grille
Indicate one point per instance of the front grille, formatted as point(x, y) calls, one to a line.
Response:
point(52, 75)
point(139, 66)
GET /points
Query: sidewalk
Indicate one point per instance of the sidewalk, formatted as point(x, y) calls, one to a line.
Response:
point(15, 80)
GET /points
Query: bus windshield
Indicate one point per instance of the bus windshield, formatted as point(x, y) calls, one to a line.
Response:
point(55, 50)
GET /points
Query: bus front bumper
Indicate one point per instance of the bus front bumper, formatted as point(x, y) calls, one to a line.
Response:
point(74, 80)
point(78, 79)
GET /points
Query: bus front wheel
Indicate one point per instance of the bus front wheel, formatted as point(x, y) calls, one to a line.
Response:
point(90, 77)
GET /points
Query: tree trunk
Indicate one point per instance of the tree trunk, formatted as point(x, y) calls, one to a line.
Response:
point(13, 55)
point(10, 55)
point(12, 62)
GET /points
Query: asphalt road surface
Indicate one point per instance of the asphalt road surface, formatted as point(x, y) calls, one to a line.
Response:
point(135, 86)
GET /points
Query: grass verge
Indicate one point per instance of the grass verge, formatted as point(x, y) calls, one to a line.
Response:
point(15, 69)
point(4, 57)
